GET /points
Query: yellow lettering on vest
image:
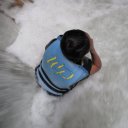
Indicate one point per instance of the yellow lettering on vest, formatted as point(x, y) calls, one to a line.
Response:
point(60, 66)
point(70, 76)
point(60, 72)
point(49, 60)
point(53, 64)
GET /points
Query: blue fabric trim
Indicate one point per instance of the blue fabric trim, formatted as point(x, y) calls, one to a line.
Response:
point(51, 87)
point(61, 89)
point(45, 87)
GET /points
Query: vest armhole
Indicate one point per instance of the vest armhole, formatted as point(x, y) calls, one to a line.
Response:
point(87, 64)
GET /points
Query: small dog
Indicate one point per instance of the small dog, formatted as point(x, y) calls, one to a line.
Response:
point(19, 3)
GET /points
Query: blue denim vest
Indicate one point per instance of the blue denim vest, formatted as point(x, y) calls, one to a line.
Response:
point(56, 74)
